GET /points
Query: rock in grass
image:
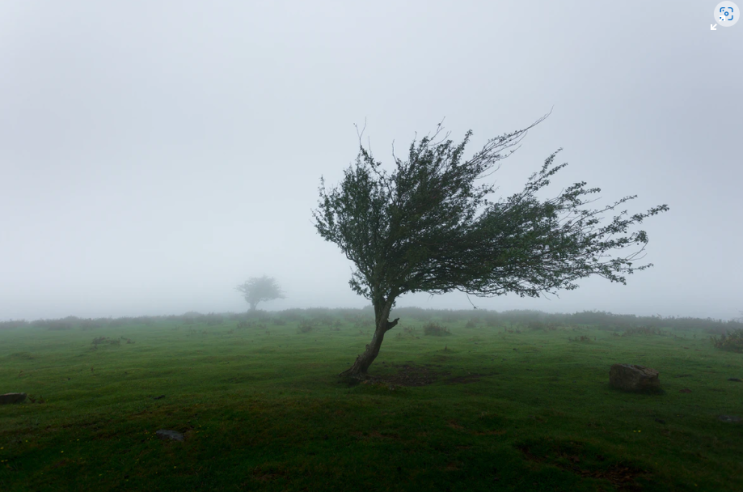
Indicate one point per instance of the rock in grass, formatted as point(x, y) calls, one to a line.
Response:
point(729, 418)
point(169, 434)
point(631, 377)
point(12, 398)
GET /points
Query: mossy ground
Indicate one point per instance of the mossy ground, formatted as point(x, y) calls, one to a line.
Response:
point(487, 407)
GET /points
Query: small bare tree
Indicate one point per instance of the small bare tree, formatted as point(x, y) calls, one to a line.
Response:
point(259, 289)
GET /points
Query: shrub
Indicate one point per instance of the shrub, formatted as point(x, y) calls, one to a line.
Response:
point(435, 330)
point(306, 326)
point(732, 342)
point(536, 325)
point(101, 340)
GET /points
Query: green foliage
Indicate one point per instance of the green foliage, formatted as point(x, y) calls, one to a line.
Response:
point(732, 342)
point(306, 326)
point(417, 229)
point(434, 329)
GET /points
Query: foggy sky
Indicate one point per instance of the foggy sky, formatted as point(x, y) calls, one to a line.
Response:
point(154, 155)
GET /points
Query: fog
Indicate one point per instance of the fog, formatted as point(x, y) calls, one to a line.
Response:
point(154, 155)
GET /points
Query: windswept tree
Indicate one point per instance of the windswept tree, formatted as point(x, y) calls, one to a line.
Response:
point(259, 289)
point(419, 230)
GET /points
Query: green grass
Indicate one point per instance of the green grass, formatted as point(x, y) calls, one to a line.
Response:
point(262, 409)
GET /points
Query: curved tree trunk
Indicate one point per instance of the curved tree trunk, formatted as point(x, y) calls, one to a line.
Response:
point(359, 368)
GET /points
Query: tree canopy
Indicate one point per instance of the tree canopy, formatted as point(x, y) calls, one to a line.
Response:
point(259, 289)
point(427, 227)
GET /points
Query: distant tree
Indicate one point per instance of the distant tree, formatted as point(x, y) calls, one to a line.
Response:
point(417, 230)
point(259, 289)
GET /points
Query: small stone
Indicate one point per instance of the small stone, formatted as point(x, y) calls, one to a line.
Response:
point(159, 397)
point(12, 398)
point(169, 434)
point(729, 418)
point(737, 380)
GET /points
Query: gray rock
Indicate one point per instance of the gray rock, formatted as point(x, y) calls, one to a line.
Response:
point(169, 434)
point(12, 398)
point(729, 418)
point(631, 377)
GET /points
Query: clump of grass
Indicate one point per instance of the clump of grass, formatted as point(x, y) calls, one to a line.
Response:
point(471, 324)
point(434, 329)
point(732, 342)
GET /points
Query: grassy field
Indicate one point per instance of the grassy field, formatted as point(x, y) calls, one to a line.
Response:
point(488, 404)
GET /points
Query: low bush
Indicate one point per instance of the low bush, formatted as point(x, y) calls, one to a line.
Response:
point(434, 329)
point(306, 326)
point(732, 342)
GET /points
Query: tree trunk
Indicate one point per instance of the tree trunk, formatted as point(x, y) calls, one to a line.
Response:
point(359, 368)
point(253, 305)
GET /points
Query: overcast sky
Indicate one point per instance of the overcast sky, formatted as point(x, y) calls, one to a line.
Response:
point(155, 154)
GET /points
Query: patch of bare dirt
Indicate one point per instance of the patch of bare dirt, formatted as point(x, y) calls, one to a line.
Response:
point(410, 374)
